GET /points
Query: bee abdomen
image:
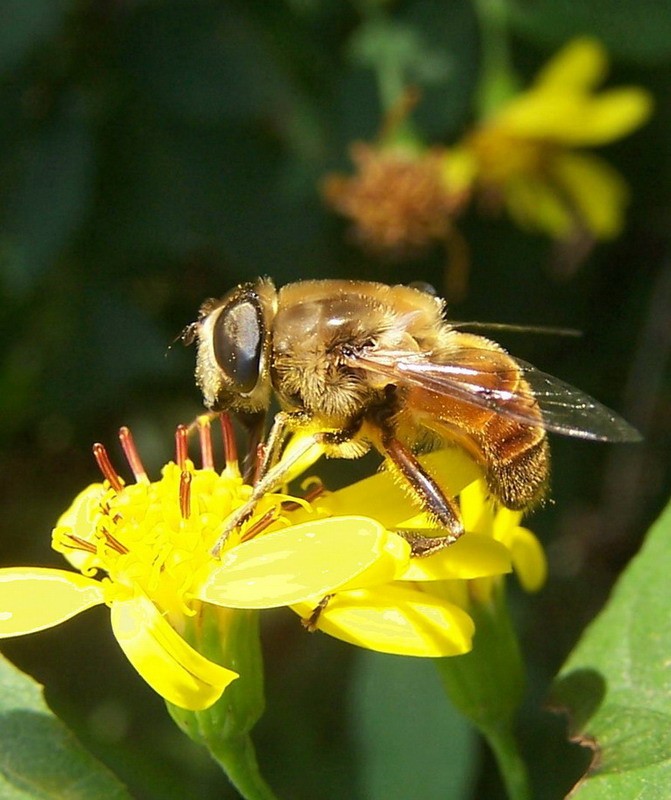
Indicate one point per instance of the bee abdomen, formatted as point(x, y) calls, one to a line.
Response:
point(518, 462)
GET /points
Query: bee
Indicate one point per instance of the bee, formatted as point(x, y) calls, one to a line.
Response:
point(357, 365)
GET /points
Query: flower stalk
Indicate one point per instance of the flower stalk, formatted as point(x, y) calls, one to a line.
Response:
point(487, 684)
point(231, 636)
point(498, 81)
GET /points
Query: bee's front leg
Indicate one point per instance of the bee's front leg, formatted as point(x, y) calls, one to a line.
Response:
point(272, 473)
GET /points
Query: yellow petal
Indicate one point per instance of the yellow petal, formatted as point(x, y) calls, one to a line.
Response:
point(170, 665)
point(459, 168)
point(505, 522)
point(473, 556)
point(604, 118)
point(314, 558)
point(32, 599)
point(477, 510)
point(396, 619)
point(536, 204)
point(80, 519)
point(579, 66)
point(597, 190)
point(574, 120)
point(529, 560)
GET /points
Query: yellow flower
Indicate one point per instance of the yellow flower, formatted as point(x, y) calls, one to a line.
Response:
point(424, 611)
point(524, 156)
point(144, 549)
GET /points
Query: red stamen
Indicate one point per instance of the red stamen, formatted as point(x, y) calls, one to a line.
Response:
point(105, 466)
point(258, 464)
point(81, 544)
point(228, 436)
point(260, 525)
point(181, 446)
point(132, 455)
point(205, 436)
point(185, 494)
point(114, 543)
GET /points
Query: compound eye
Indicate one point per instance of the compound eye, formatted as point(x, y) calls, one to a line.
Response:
point(238, 343)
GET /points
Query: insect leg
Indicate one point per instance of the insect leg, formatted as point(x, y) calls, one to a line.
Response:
point(273, 472)
point(254, 425)
point(429, 494)
point(310, 623)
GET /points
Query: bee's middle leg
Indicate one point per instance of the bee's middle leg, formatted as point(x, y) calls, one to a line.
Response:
point(429, 494)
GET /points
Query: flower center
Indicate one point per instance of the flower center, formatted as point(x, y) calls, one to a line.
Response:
point(157, 536)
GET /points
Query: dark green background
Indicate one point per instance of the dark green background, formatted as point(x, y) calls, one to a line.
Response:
point(156, 153)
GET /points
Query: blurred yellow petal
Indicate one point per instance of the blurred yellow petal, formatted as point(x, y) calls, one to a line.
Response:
point(529, 560)
point(580, 65)
point(597, 190)
point(396, 619)
point(459, 168)
point(166, 662)
point(473, 556)
point(314, 558)
point(606, 117)
point(536, 205)
point(32, 599)
point(574, 120)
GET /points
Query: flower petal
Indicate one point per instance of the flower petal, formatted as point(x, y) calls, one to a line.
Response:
point(576, 120)
point(535, 204)
point(579, 66)
point(170, 665)
point(529, 560)
point(396, 619)
point(80, 519)
point(32, 598)
point(473, 556)
point(597, 190)
point(314, 558)
point(477, 509)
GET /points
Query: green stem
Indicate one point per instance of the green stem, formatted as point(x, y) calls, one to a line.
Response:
point(238, 760)
point(511, 765)
point(498, 81)
point(487, 684)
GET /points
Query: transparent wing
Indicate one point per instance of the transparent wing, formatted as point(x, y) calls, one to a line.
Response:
point(472, 377)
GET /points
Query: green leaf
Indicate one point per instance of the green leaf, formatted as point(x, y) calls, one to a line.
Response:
point(639, 30)
point(411, 742)
point(615, 685)
point(39, 757)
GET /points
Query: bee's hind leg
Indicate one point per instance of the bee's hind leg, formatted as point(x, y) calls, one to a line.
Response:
point(430, 496)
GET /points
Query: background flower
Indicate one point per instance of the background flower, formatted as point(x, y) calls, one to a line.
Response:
point(523, 154)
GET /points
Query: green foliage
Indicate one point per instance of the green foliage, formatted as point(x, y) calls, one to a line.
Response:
point(639, 30)
point(409, 740)
point(39, 757)
point(614, 685)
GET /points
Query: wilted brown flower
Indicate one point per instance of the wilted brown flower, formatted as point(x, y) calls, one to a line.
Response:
point(399, 199)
